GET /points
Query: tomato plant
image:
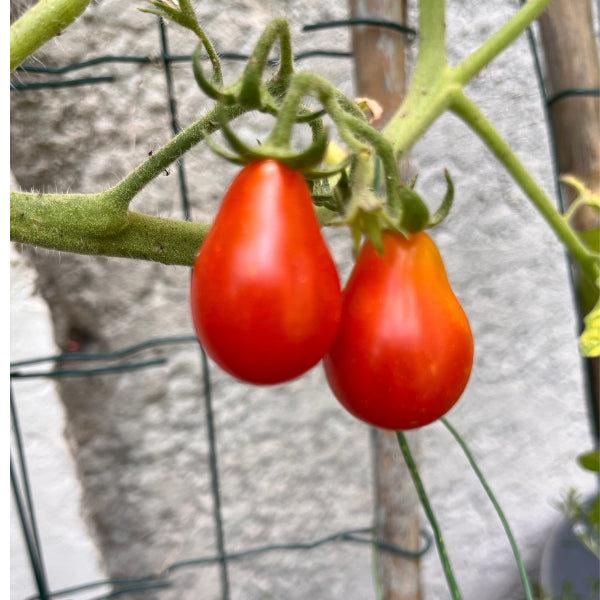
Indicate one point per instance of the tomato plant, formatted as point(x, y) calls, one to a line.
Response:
point(404, 349)
point(265, 293)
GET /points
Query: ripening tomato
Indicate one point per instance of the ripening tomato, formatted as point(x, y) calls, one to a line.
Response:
point(265, 292)
point(404, 349)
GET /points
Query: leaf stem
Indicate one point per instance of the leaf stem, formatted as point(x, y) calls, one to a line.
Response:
point(467, 110)
point(210, 50)
point(497, 507)
point(175, 148)
point(439, 541)
point(434, 83)
point(498, 42)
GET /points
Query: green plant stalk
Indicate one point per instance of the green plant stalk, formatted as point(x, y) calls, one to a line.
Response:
point(102, 224)
point(278, 29)
point(499, 41)
point(430, 87)
point(472, 115)
point(434, 82)
point(504, 521)
point(439, 541)
point(39, 24)
point(168, 241)
point(186, 9)
point(124, 191)
point(437, 87)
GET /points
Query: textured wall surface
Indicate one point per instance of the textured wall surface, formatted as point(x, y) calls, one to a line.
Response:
point(69, 551)
point(293, 465)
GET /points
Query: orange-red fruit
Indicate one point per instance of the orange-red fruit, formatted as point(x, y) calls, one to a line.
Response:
point(265, 293)
point(404, 350)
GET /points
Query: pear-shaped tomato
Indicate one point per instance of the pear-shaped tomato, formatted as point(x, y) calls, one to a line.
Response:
point(404, 349)
point(265, 292)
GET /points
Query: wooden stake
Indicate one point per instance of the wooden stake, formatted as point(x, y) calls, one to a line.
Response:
point(571, 56)
point(379, 59)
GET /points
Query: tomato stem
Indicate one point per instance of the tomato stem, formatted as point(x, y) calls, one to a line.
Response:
point(473, 116)
point(39, 24)
point(250, 95)
point(439, 541)
point(100, 224)
point(434, 82)
point(501, 516)
point(49, 221)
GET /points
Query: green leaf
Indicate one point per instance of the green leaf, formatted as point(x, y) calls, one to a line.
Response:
point(593, 515)
point(591, 238)
point(589, 341)
point(171, 12)
point(442, 212)
point(590, 461)
point(187, 10)
point(373, 230)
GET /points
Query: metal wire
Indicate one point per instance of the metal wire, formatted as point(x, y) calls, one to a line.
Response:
point(165, 59)
point(38, 85)
point(57, 373)
point(24, 503)
point(153, 581)
point(100, 356)
point(381, 23)
point(222, 558)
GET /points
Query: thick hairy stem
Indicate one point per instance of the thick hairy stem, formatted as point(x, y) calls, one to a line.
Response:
point(102, 224)
point(171, 242)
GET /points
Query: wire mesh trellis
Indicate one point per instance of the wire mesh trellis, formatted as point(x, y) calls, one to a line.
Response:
point(19, 473)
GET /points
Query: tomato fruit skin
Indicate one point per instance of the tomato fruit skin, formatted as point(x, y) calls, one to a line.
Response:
point(404, 350)
point(265, 292)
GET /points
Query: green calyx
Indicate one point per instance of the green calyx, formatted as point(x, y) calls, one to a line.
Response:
point(415, 214)
point(369, 214)
point(361, 189)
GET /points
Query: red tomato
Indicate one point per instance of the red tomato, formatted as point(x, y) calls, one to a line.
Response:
point(265, 293)
point(404, 349)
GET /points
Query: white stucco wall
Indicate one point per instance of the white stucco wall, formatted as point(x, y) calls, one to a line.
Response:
point(523, 413)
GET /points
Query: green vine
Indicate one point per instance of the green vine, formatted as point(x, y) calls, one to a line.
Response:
point(424, 499)
point(41, 23)
point(497, 508)
point(101, 223)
